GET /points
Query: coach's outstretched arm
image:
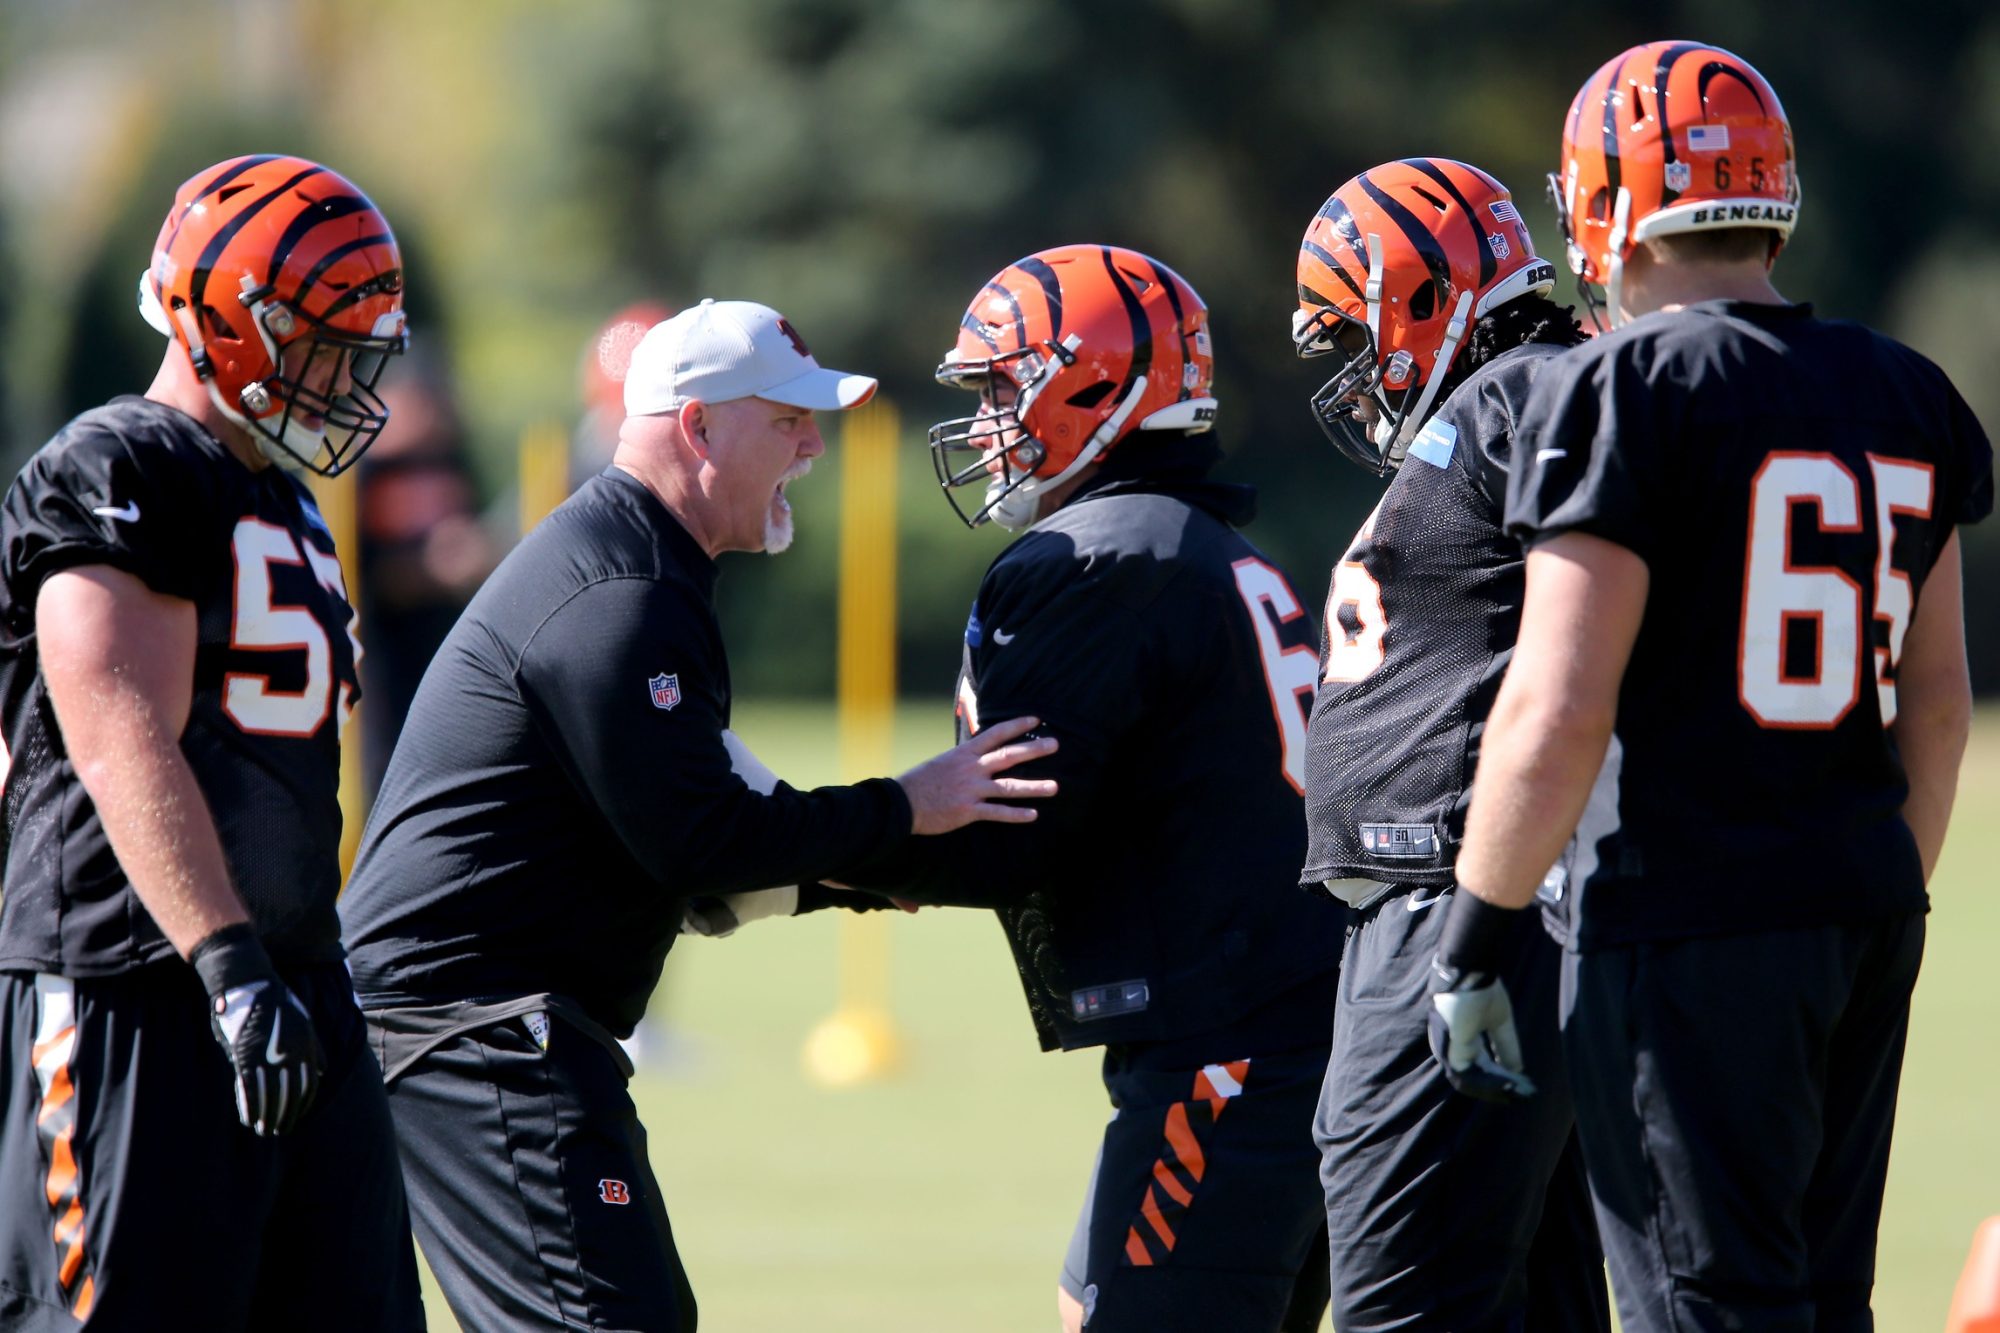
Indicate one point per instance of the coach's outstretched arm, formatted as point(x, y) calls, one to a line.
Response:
point(663, 776)
point(119, 661)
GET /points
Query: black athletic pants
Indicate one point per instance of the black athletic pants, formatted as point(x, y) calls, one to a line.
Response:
point(529, 1184)
point(1736, 1096)
point(1445, 1213)
point(1201, 1211)
point(131, 1193)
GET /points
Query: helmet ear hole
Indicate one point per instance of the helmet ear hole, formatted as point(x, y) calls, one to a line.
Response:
point(1600, 205)
point(1423, 301)
point(219, 329)
point(1091, 395)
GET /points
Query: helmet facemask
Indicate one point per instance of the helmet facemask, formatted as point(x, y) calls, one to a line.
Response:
point(1330, 331)
point(322, 373)
point(1401, 400)
point(992, 447)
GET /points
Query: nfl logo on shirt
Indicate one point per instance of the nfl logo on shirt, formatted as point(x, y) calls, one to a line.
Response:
point(666, 690)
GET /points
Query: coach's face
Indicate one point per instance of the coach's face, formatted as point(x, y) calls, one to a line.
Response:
point(756, 447)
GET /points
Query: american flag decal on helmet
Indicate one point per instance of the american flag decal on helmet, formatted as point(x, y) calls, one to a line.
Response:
point(666, 690)
point(1503, 211)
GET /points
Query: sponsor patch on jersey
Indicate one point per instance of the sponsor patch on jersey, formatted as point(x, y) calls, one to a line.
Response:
point(1434, 443)
point(1708, 138)
point(538, 1028)
point(666, 690)
point(1415, 842)
point(1120, 997)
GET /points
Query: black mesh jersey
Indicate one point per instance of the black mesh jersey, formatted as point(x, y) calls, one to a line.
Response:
point(1789, 482)
point(563, 781)
point(1155, 898)
point(1419, 627)
point(141, 487)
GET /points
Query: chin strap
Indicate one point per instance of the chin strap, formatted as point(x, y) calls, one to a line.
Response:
point(1374, 289)
point(1403, 429)
point(1614, 278)
point(1014, 516)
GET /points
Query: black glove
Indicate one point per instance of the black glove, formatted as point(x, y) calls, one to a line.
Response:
point(263, 1029)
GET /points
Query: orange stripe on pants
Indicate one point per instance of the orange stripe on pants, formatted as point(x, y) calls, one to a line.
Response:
point(1149, 1209)
point(55, 1122)
point(1173, 1187)
point(1182, 1140)
point(1135, 1250)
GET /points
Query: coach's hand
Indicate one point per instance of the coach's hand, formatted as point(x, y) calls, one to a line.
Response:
point(263, 1029)
point(1473, 1037)
point(960, 786)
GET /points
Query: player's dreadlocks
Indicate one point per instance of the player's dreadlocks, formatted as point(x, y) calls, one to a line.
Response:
point(1525, 319)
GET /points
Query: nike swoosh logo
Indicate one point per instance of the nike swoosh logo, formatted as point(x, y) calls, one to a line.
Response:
point(272, 1056)
point(1002, 637)
point(1547, 455)
point(1416, 904)
point(129, 513)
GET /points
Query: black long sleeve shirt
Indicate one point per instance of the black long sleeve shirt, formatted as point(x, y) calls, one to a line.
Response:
point(562, 782)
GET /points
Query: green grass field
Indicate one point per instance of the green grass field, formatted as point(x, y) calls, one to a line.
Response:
point(942, 1196)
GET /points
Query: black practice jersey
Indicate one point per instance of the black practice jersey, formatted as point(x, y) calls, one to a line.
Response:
point(1419, 628)
point(562, 781)
point(141, 487)
point(1789, 482)
point(1156, 897)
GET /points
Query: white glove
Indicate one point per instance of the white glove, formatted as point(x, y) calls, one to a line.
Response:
point(717, 916)
point(1473, 1036)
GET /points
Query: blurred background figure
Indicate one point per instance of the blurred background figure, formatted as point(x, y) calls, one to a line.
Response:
point(424, 550)
point(607, 355)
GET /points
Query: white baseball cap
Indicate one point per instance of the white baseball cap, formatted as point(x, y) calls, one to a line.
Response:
point(722, 350)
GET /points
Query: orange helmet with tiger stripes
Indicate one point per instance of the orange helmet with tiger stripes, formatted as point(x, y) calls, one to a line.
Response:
point(1071, 350)
point(1392, 271)
point(284, 285)
point(1670, 137)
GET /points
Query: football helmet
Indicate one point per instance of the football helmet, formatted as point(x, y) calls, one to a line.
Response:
point(1392, 272)
point(1071, 350)
point(283, 284)
point(1669, 137)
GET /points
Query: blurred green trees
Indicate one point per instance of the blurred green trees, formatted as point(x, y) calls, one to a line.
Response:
point(865, 164)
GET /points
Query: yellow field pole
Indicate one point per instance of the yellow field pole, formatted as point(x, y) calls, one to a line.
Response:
point(543, 457)
point(339, 505)
point(857, 1042)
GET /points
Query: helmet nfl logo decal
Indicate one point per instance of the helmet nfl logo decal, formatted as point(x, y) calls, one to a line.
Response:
point(665, 689)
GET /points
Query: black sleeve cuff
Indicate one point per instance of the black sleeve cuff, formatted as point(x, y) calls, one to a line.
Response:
point(1478, 936)
point(815, 897)
point(232, 956)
